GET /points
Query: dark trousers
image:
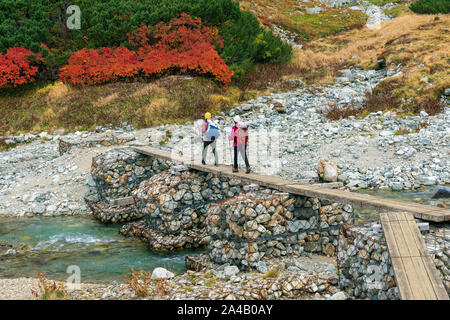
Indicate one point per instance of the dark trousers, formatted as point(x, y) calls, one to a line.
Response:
point(243, 151)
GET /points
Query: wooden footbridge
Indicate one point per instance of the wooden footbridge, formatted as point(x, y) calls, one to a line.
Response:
point(415, 273)
point(420, 211)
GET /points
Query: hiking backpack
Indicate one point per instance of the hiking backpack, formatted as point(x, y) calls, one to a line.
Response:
point(212, 133)
point(241, 133)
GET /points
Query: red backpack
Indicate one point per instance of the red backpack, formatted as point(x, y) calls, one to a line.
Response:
point(241, 133)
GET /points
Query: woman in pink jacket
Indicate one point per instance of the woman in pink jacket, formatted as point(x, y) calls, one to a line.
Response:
point(239, 136)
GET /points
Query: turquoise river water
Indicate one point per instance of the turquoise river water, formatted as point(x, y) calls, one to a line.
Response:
point(54, 243)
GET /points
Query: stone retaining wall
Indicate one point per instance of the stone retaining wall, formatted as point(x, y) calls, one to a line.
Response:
point(106, 213)
point(364, 265)
point(286, 285)
point(175, 200)
point(266, 223)
point(441, 260)
point(117, 172)
point(159, 241)
point(438, 244)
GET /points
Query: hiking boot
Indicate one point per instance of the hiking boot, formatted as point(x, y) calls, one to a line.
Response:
point(247, 170)
point(203, 162)
point(235, 170)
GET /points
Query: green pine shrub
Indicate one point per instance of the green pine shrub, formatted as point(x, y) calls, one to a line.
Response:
point(431, 6)
point(107, 23)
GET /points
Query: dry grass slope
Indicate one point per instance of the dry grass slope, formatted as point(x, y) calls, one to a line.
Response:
point(174, 99)
point(420, 44)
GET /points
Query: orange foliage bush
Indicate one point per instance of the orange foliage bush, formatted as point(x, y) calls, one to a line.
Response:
point(18, 66)
point(92, 66)
point(183, 44)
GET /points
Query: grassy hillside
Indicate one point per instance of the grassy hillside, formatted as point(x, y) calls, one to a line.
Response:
point(46, 106)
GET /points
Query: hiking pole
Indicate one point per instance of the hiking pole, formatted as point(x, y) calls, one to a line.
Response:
point(231, 153)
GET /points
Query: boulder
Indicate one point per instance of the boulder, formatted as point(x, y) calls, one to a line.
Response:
point(261, 267)
point(328, 171)
point(429, 181)
point(59, 132)
point(309, 175)
point(230, 271)
point(339, 296)
point(279, 106)
point(314, 10)
point(441, 192)
point(348, 74)
point(161, 273)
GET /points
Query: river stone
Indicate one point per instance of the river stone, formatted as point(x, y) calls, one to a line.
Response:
point(339, 296)
point(261, 267)
point(39, 209)
point(161, 273)
point(90, 181)
point(279, 106)
point(313, 10)
point(328, 171)
point(230, 271)
point(429, 181)
point(441, 192)
point(397, 186)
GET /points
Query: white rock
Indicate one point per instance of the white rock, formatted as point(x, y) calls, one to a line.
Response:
point(231, 271)
point(328, 171)
point(339, 296)
point(386, 133)
point(161, 273)
point(423, 114)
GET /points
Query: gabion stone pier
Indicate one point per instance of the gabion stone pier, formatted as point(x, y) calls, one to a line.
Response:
point(266, 223)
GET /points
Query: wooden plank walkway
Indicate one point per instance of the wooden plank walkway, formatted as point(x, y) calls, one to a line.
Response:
point(415, 273)
point(420, 211)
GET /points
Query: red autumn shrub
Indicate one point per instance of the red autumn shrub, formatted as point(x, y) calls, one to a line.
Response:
point(182, 44)
point(18, 66)
point(87, 67)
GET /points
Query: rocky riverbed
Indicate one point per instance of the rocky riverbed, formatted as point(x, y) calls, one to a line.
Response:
point(303, 277)
point(374, 12)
